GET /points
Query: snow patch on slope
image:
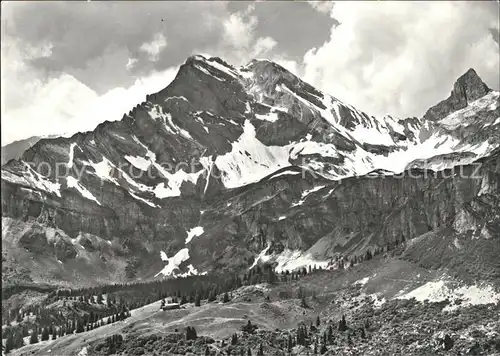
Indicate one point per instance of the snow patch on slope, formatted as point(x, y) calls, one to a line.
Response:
point(312, 147)
point(466, 116)
point(437, 291)
point(173, 186)
point(73, 183)
point(170, 188)
point(285, 173)
point(250, 160)
point(261, 257)
point(139, 162)
point(157, 113)
point(103, 170)
point(291, 260)
point(33, 180)
point(71, 154)
point(226, 69)
point(191, 272)
point(312, 190)
point(362, 281)
point(173, 262)
point(151, 204)
point(271, 116)
point(194, 232)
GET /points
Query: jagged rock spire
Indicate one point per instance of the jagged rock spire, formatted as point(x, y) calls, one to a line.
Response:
point(468, 88)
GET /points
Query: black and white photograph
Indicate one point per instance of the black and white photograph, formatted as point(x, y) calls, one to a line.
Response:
point(250, 178)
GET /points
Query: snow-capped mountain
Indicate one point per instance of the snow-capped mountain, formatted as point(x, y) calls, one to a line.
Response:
point(230, 166)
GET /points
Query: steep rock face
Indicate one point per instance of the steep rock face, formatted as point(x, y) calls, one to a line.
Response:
point(226, 161)
point(443, 161)
point(356, 214)
point(467, 89)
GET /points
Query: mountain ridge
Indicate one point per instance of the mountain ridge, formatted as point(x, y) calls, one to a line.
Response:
point(467, 88)
point(244, 128)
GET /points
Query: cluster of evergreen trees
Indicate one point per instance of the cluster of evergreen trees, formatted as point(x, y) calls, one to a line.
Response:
point(87, 322)
point(112, 343)
point(306, 336)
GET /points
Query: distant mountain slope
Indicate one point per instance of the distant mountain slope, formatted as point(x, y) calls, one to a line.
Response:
point(16, 149)
point(227, 164)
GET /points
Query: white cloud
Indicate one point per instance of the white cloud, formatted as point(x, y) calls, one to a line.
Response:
point(324, 6)
point(154, 48)
point(403, 57)
point(263, 45)
point(35, 104)
point(238, 33)
point(64, 106)
point(131, 63)
point(112, 105)
point(239, 43)
point(48, 109)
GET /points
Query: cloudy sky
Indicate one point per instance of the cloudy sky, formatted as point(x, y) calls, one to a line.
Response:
point(67, 66)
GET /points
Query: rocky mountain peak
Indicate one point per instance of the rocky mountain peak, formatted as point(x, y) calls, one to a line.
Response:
point(467, 88)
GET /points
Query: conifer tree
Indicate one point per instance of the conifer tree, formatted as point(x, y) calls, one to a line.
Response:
point(9, 345)
point(79, 327)
point(367, 324)
point(34, 337)
point(448, 342)
point(183, 300)
point(18, 340)
point(271, 276)
point(329, 334)
point(45, 334)
point(261, 351)
point(323, 349)
point(303, 303)
point(191, 333)
point(342, 324)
